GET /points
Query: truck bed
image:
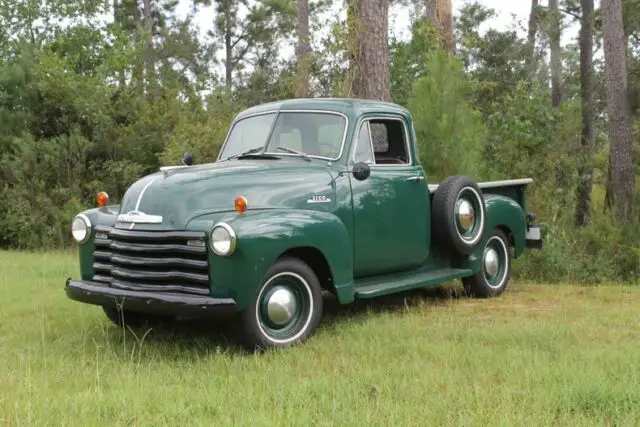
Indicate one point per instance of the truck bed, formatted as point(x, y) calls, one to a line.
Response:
point(493, 184)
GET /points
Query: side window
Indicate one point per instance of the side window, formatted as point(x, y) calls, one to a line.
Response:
point(389, 142)
point(363, 152)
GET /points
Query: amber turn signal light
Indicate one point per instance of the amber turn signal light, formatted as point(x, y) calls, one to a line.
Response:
point(102, 199)
point(241, 204)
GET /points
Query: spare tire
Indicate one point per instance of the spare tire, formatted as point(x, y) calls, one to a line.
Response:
point(459, 214)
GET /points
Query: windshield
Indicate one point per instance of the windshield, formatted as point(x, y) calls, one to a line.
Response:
point(314, 134)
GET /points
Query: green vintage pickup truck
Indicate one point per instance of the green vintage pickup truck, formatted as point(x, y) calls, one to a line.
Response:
point(306, 196)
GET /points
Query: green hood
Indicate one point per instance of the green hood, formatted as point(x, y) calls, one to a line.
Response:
point(182, 194)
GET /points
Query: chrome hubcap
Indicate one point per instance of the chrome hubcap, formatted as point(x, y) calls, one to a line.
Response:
point(281, 306)
point(491, 262)
point(465, 215)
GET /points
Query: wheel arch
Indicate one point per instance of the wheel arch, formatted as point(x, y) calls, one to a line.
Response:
point(506, 214)
point(320, 239)
point(507, 231)
point(316, 260)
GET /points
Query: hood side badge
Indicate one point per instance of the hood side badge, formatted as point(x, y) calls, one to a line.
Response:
point(319, 199)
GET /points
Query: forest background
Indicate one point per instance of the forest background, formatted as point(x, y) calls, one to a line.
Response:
point(94, 94)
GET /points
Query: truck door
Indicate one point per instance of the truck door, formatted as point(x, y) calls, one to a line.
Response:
point(391, 207)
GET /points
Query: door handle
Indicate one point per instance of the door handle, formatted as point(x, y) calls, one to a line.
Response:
point(417, 178)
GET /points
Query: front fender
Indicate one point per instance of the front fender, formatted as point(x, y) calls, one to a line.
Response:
point(265, 235)
point(98, 216)
point(106, 215)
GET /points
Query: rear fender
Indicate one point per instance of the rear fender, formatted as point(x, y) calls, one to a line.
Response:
point(263, 236)
point(507, 214)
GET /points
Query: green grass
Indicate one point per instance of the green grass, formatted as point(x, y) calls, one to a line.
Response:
point(539, 355)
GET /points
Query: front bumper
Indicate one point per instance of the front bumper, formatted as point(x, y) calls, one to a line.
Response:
point(146, 302)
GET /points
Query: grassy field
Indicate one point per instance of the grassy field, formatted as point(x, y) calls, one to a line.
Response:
point(540, 355)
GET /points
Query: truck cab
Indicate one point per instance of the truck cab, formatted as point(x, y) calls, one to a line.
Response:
point(306, 196)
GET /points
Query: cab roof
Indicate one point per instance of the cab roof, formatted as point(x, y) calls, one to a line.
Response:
point(348, 106)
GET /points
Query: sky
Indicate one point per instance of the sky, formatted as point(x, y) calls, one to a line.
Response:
point(506, 10)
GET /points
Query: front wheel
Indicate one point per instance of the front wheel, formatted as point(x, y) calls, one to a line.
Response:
point(494, 274)
point(287, 308)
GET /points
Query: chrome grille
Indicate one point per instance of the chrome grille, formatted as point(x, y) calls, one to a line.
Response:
point(151, 261)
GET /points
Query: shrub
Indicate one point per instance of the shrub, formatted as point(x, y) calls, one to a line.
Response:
point(449, 131)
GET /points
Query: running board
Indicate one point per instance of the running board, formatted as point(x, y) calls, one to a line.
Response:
point(389, 284)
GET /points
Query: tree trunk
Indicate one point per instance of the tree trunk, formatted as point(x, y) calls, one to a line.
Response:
point(608, 194)
point(556, 60)
point(117, 13)
point(354, 49)
point(431, 13)
point(445, 15)
point(303, 50)
point(149, 57)
point(228, 48)
point(372, 49)
point(585, 170)
point(137, 72)
point(440, 13)
point(531, 38)
point(621, 164)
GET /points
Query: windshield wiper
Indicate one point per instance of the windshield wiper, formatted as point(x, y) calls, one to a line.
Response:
point(245, 153)
point(299, 153)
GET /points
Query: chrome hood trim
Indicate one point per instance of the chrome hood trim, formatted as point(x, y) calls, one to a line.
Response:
point(137, 217)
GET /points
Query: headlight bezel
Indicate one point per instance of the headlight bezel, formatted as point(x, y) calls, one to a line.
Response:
point(232, 237)
point(88, 228)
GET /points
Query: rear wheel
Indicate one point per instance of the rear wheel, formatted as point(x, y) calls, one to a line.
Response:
point(493, 277)
point(287, 308)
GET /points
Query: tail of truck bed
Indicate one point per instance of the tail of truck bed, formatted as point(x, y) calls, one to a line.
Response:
point(515, 190)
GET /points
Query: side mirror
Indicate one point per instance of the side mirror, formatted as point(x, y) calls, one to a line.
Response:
point(361, 171)
point(187, 159)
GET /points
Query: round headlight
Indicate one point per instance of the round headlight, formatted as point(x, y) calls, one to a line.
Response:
point(81, 228)
point(223, 239)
